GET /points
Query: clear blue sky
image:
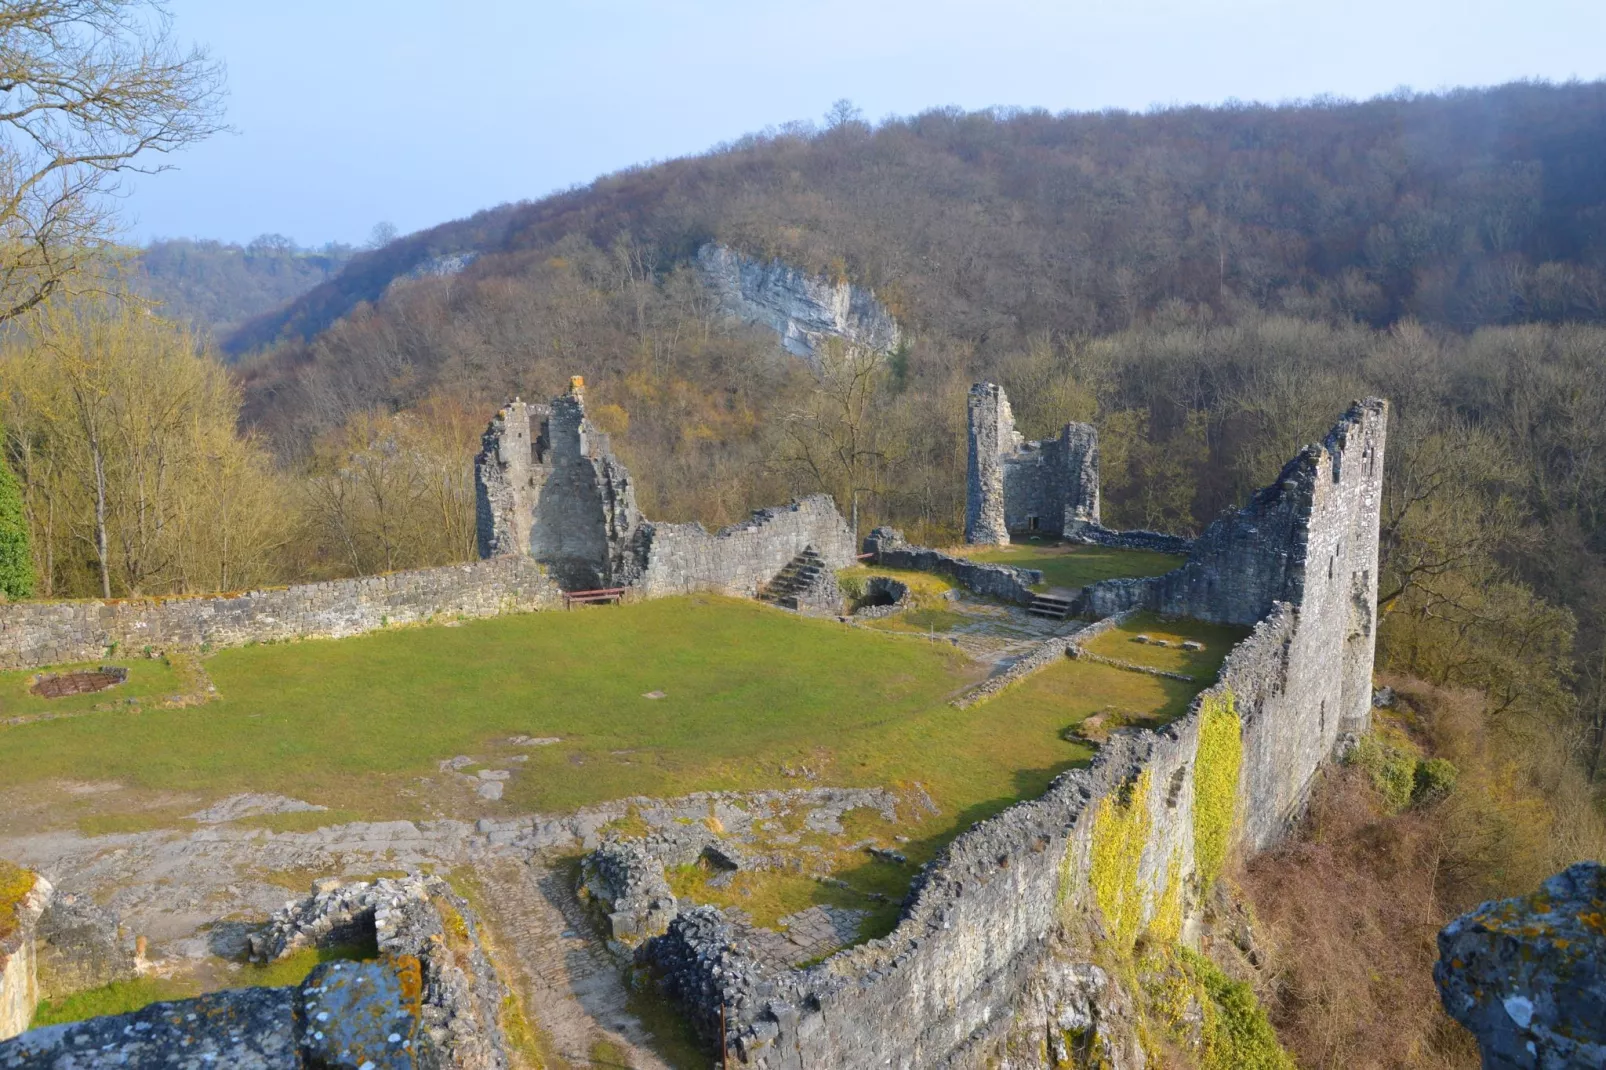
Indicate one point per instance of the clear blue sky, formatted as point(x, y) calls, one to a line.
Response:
point(349, 112)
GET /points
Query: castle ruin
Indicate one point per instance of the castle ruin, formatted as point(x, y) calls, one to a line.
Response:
point(1049, 487)
point(548, 487)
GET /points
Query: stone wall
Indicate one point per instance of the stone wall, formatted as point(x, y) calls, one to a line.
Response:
point(1003, 582)
point(19, 971)
point(1136, 539)
point(980, 917)
point(1017, 486)
point(47, 633)
point(803, 309)
point(548, 485)
point(992, 434)
point(737, 560)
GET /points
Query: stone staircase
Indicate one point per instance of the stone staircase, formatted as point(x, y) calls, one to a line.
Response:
point(798, 575)
point(1051, 607)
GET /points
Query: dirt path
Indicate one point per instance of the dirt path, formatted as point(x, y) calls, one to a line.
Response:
point(570, 984)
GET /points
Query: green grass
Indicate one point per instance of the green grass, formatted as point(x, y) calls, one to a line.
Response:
point(119, 997)
point(124, 997)
point(1072, 564)
point(148, 679)
point(1202, 665)
point(353, 723)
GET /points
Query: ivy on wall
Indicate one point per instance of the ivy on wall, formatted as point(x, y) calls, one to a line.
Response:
point(1215, 784)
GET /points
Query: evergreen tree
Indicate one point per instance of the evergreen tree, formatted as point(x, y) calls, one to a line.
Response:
point(16, 558)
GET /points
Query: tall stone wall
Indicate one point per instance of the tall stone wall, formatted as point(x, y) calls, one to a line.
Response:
point(48, 633)
point(740, 558)
point(992, 434)
point(1018, 486)
point(979, 918)
point(547, 485)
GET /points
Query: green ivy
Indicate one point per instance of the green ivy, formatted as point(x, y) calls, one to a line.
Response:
point(1119, 835)
point(1215, 784)
point(1238, 1035)
point(16, 558)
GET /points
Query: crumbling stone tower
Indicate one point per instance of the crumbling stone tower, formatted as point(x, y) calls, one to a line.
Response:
point(992, 434)
point(547, 484)
point(1016, 486)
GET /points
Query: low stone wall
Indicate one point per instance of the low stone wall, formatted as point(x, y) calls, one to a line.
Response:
point(1153, 541)
point(1007, 584)
point(1037, 659)
point(685, 557)
point(47, 633)
point(19, 970)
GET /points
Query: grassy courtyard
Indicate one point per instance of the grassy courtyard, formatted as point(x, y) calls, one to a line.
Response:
point(750, 695)
point(1065, 564)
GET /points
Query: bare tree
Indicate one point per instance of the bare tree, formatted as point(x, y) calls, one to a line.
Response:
point(90, 90)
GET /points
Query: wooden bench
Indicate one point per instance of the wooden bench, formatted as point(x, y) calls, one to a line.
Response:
point(602, 594)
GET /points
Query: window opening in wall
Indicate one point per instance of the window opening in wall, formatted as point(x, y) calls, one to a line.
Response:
point(1032, 523)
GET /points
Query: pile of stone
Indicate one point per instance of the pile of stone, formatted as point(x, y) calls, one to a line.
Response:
point(431, 999)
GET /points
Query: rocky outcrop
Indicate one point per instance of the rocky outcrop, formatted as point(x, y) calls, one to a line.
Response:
point(803, 309)
point(1528, 976)
point(80, 946)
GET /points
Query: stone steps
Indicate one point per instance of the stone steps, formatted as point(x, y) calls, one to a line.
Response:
point(1050, 607)
point(792, 580)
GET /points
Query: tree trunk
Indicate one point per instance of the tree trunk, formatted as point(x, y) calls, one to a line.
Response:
point(102, 549)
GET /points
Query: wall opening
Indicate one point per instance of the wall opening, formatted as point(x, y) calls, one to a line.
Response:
point(1034, 523)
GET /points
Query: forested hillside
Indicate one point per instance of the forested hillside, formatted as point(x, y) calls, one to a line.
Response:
point(216, 286)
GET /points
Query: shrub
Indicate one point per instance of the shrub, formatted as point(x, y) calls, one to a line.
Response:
point(1434, 779)
point(16, 558)
point(1390, 768)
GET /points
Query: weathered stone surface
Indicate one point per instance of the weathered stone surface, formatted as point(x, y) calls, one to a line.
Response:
point(1020, 487)
point(19, 976)
point(79, 946)
point(1528, 976)
point(992, 581)
point(742, 557)
point(803, 309)
point(45, 633)
point(411, 918)
point(249, 1029)
point(548, 486)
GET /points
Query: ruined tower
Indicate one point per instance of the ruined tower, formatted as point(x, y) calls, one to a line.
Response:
point(1020, 487)
point(992, 433)
point(547, 485)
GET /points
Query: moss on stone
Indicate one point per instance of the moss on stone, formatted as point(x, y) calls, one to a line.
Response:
point(1119, 835)
point(1215, 784)
point(15, 883)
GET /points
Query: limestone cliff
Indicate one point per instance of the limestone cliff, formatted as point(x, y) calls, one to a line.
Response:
point(803, 309)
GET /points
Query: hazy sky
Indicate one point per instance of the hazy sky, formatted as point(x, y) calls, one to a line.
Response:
point(349, 112)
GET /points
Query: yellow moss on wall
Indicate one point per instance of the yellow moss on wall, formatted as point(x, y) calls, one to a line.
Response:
point(1215, 784)
point(1119, 835)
